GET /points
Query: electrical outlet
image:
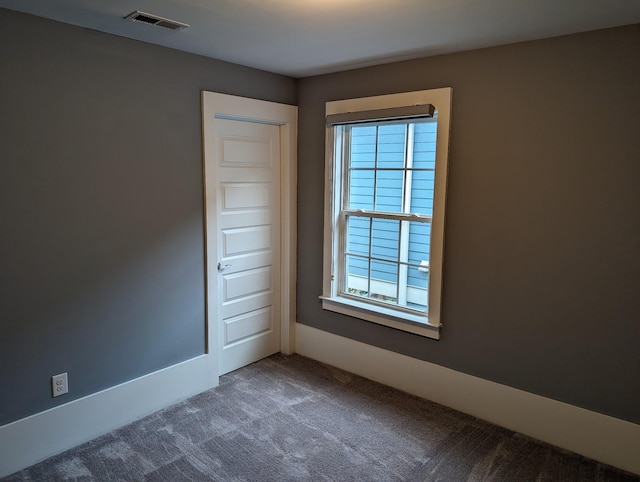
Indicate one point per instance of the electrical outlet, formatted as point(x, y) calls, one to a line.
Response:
point(59, 384)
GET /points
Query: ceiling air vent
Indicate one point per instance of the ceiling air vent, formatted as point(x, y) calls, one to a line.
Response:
point(150, 19)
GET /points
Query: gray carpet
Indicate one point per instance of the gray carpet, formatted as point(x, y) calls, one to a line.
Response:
point(293, 419)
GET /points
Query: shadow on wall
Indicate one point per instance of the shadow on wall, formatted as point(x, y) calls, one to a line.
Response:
point(102, 286)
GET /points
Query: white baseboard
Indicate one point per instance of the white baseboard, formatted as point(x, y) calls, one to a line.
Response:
point(34, 438)
point(600, 437)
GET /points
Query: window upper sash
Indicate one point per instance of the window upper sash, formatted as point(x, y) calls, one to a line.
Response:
point(404, 114)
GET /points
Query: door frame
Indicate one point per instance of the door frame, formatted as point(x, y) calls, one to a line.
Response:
point(217, 105)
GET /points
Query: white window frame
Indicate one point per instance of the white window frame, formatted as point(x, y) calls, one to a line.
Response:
point(332, 300)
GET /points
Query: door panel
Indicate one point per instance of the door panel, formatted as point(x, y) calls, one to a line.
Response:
point(246, 283)
point(237, 241)
point(234, 308)
point(247, 324)
point(245, 196)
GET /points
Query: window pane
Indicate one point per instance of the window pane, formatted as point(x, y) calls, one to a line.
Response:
point(385, 234)
point(424, 144)
point(422, 185)
point(416, 288)
point(361, 189)
point(356, 276)
point(358, 235)
point(389, 191)
point(363, 146)
point(391, 146)
point(384, 281)
point(419, 241)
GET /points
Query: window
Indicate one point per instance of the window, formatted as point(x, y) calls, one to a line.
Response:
point(384, 218)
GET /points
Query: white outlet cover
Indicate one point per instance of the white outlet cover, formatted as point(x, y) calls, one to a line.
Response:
point(59, 384)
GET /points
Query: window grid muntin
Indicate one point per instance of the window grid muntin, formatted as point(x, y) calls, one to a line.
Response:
point(347, 169)
point(370, 259)
point(404, 216)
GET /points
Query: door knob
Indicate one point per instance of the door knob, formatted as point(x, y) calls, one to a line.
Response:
point(222, 267)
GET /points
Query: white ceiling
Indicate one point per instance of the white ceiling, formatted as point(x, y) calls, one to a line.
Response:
point(308, 37)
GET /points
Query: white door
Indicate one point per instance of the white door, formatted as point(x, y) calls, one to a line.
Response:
point(247, 181)
point(249, 172)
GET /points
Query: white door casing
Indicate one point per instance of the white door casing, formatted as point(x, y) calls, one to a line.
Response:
point(249, 175)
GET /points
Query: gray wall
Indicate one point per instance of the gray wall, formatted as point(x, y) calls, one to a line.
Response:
point(542, 238)
point(101, 219)
point(101, 238)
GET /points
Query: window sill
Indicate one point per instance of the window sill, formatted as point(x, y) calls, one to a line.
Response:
point(383, 316)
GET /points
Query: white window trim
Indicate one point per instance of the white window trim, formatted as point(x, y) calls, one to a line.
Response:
point(331, 299)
